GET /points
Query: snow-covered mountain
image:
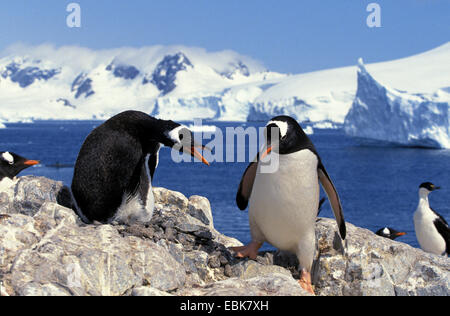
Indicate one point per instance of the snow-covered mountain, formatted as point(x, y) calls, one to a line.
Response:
point(183, 83)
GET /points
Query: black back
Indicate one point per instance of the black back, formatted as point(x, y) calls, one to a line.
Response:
point(111, 162)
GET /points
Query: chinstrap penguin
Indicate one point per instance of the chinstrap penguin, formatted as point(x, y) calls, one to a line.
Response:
point(116, 164)
point(11, 165)
point(390, 233)
point(284, 204)
point(432, 231)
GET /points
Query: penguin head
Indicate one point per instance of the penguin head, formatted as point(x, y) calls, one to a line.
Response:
point(179, 137)
point(11, 164)
point(427, 187)
point(390, 233)
point(284, 132)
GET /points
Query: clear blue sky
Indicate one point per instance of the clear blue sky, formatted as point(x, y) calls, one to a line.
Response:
point(285, 35)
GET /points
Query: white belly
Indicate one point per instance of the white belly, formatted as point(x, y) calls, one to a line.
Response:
point(283, 205)
point(427, 235)
point(134, 210)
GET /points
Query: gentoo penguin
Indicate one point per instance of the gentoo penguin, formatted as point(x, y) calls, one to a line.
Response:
point(432, 230)
point(11, 165)
point(284, 204)
point(116, 164)
point(390, 233)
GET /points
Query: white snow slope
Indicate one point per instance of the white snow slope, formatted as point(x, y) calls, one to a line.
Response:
point(184, 83)
point(399, 117)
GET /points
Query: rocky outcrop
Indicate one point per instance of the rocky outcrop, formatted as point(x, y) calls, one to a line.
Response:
point(46, 250)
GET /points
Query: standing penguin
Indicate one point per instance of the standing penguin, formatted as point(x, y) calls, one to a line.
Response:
point(11, 165)
point(116, 164)
point(432, 230)
point(284, 204)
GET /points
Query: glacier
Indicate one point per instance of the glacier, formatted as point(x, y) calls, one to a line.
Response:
point(186, 83)
point(382, 113)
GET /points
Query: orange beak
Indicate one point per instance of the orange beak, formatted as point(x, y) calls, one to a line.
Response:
point(269, 149)
point(400, 234)
point(31, 162)
point(197, 155)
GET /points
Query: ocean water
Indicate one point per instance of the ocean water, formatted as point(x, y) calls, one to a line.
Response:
point(378, 186)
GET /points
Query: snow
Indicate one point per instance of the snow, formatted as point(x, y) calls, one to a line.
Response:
point(223, 86)
point(382, 113)
point(308, 130)
point(325, 125)
point(2, 125)
point(202, 128)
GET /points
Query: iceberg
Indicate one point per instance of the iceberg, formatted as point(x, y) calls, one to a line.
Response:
point(387, 115)
point(185, 83)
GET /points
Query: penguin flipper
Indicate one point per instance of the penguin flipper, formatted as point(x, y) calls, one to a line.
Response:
point(443, 229)
point(322, 200)
point(333, 197)
point(246, 185)
point(153, 163)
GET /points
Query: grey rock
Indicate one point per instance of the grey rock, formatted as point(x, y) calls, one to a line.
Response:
point(28, 194)
point(267, 285)
point(170, 198)
point(373, 265)
point(247, 269)
point(56, 249)
point(200, 208)
point(45, 249)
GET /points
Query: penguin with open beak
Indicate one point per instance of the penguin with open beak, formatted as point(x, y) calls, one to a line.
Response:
point(113, 173)
point(284, 203)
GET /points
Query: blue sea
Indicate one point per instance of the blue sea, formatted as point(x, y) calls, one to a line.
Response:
point(378, 186)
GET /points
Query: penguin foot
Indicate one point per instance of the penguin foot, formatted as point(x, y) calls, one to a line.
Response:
point(305, 282)
point(248, 251)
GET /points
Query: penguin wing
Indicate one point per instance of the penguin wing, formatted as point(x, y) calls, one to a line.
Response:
point(333, 197)
point(246, 185)
point(153, 163)
point(443, 229)
point(322, 200)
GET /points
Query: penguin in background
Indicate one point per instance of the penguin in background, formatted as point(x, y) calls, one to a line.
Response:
point(432, 230)
point(11, 164)
point(388, 232)
point(284, 204)
point(116, 164)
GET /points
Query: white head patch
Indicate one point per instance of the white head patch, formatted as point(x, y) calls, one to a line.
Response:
point(8, 158)
point(174, 134)
point(283, 126)
point(386, 231)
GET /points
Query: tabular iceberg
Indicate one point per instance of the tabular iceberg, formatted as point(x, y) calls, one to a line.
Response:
point(385, 114)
